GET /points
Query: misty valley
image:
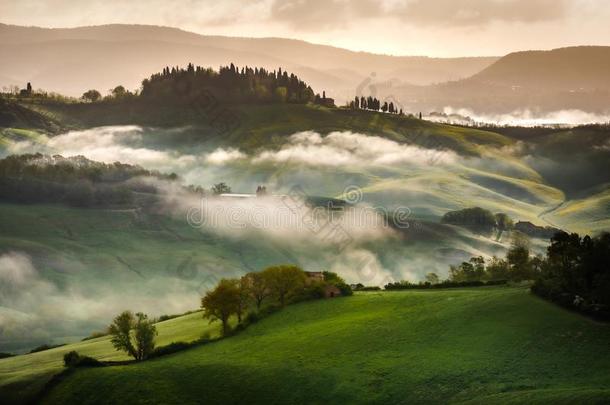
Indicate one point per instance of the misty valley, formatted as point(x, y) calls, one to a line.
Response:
point(270, 232)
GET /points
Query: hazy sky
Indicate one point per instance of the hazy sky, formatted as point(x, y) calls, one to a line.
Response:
point(407, 27)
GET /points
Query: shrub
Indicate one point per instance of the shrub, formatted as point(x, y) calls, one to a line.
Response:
point(345, 289)
point(369, 288)
point(171, 348)
point(253, 317)
point(73, 359)
point(45, 347)
point(271, 309)
point(314, 291)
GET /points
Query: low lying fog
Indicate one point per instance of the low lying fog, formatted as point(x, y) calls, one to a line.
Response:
point(360, 242)
point(522, 118)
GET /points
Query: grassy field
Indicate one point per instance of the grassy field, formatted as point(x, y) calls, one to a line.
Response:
point(585, 215)
point(22, 376)
point(482, 345)
point(267, 124)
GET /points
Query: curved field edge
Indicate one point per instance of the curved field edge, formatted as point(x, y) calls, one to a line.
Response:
point(497, 344)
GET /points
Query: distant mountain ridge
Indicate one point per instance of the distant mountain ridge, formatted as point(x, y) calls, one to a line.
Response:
point(72, 60)
point(535, 82)
point(575, 68)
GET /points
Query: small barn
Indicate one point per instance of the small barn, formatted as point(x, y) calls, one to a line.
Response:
point(331, 291)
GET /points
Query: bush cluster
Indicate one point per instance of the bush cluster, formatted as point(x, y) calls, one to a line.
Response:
point(74, 359)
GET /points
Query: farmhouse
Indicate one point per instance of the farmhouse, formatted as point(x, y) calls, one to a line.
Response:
point(317, 277)
point(325, 101)
point(314, 277)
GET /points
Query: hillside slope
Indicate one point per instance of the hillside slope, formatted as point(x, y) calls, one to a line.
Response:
point(530, 84)
point(486, 345)
point(581, 68)
point(22, 376)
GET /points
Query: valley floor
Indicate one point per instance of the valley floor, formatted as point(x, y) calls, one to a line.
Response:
point(481, 345)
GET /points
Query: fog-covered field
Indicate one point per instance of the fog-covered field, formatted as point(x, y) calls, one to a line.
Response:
point(65, 271)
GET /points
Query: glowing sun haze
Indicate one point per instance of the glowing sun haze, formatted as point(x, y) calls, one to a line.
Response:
point(399, 27)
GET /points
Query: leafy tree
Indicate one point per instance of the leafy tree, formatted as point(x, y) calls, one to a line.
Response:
point(473, 270)
point(220, 188)
point(476, 219)
point(497, 269)
point(281, 93)
point(284, 280)
point(432, 278)
point(576, 273)
point(518, 258)
point(91, 95)
point(145, 332)
point(503, 223)
point(259, 288)
point(120, 331)
point(118, 92)
point(222, 302)
point(243, 287)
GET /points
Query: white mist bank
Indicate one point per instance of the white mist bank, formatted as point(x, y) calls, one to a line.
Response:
point(357, 243)
point(34, 309)
point(522, 118)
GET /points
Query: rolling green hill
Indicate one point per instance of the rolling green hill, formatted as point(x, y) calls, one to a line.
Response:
point(22, 376)
point(267, 125)
point(108, 260)
point(485, 345)
point(483, 175)
point(86, 265)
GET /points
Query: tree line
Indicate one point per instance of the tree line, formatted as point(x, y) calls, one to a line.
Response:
point(275, 285)
point(518, 265)
point(228, 84)
point(373, 104)
point(245, 299)
point(479, 220)
point(75, 181)
point(574, 272)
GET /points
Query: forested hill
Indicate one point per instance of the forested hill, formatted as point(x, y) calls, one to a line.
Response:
point(75, 181)
point(229, 84)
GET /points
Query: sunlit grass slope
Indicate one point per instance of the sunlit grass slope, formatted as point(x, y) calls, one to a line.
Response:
point(480, 345)
point(22, 376)
point(266, 125)
point(585, 215)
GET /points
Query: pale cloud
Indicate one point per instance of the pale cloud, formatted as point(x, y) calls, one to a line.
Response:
point(354, 150)
point(316, 14)
point(407, 27)
point(221, 156)
point(523, 117)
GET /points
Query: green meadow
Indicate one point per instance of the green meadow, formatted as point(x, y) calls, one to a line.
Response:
point(22, 376)
point(472, 345)
point(480, 345)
